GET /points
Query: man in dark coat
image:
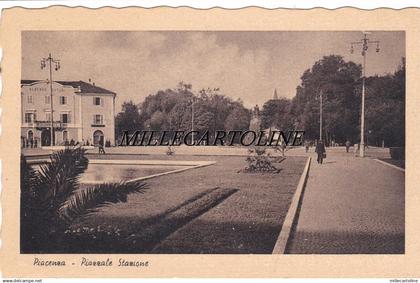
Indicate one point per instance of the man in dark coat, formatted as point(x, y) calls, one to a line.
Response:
point(320, 150)
point(348, 145)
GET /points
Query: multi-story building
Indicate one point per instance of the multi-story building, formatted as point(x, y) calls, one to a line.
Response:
point(82, 112)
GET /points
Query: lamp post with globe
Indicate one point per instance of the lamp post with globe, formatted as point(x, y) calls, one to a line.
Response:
point(50, 61)
point(365, 41)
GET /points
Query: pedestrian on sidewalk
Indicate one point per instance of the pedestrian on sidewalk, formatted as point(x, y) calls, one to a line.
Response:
point(101, 149)
point(320, 150)
point(306, 146)
point(347, 145)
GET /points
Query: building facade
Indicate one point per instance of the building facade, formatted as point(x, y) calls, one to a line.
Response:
point(82, 112)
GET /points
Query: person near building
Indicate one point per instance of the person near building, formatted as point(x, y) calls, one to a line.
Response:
point(101, 149)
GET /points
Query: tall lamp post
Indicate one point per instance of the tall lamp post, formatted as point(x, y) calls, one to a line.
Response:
point(365, 45)
point(50, 61)
point(192, 119)
point(320, 116)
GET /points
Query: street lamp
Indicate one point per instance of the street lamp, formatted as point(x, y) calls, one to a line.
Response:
point(192, 119)
point(367, 137)
point(56, 63)
point(320, 115)
point(365, 45)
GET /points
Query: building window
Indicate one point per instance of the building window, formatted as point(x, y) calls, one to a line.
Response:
point(63, 100)
point(97, 101)
point(29, 117)
point(30, 135)
point(65, 118)
point(47, 99)
point(98, 120)
point(30, 98)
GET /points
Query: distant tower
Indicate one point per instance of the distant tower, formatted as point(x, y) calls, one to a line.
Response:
point(275, 96)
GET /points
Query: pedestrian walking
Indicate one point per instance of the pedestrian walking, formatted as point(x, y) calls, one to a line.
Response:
point(306, 146)
point(347, 145)
point(101, 149)
point(320, 150)
point(283, 148)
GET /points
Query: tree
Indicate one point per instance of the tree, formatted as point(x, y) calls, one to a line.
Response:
point(385, 108)
point(171, 110)
point(128, 119)
point(158, 121)
point(338, 81)
point(178, 116)
point(276, 113)
point(238, 119)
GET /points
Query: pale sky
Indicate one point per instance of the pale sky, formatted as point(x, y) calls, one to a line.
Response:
point(246, 65)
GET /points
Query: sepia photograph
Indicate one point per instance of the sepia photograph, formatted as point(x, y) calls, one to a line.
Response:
point(212, 142)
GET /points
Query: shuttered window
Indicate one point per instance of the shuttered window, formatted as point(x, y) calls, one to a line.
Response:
point(65, 118)
point(98, 119)
point(97, 101)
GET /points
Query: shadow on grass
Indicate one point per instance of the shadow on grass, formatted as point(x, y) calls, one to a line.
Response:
point(151, 231)
point(224, 237)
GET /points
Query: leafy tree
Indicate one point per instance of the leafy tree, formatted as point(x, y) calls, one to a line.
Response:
point(171, 110)
point(276, 113)
point(338, 82)
point(238, 119)
point(128, 119)
point(158, 121)
point(179, 116)
point(385, 108)
point(202, 120)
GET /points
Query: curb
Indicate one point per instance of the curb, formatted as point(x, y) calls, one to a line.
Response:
point(158, 174)
point(286, 229)
point(390, 165)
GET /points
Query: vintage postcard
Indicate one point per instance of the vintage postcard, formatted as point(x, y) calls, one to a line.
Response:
point(210, 143)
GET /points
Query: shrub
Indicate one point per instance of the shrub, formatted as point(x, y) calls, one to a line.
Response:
point(82, 239)
point(259, 161)
point(397, 153)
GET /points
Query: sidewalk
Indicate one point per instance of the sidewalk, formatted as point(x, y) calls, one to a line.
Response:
point(350, 205)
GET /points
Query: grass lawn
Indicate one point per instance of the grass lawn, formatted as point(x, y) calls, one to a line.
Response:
point(212, 209)
point(399, 163)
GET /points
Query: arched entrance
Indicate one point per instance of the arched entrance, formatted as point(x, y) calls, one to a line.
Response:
point(98, 138)
point(46, 137)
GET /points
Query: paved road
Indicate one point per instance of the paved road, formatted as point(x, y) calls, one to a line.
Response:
point(350, 205)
